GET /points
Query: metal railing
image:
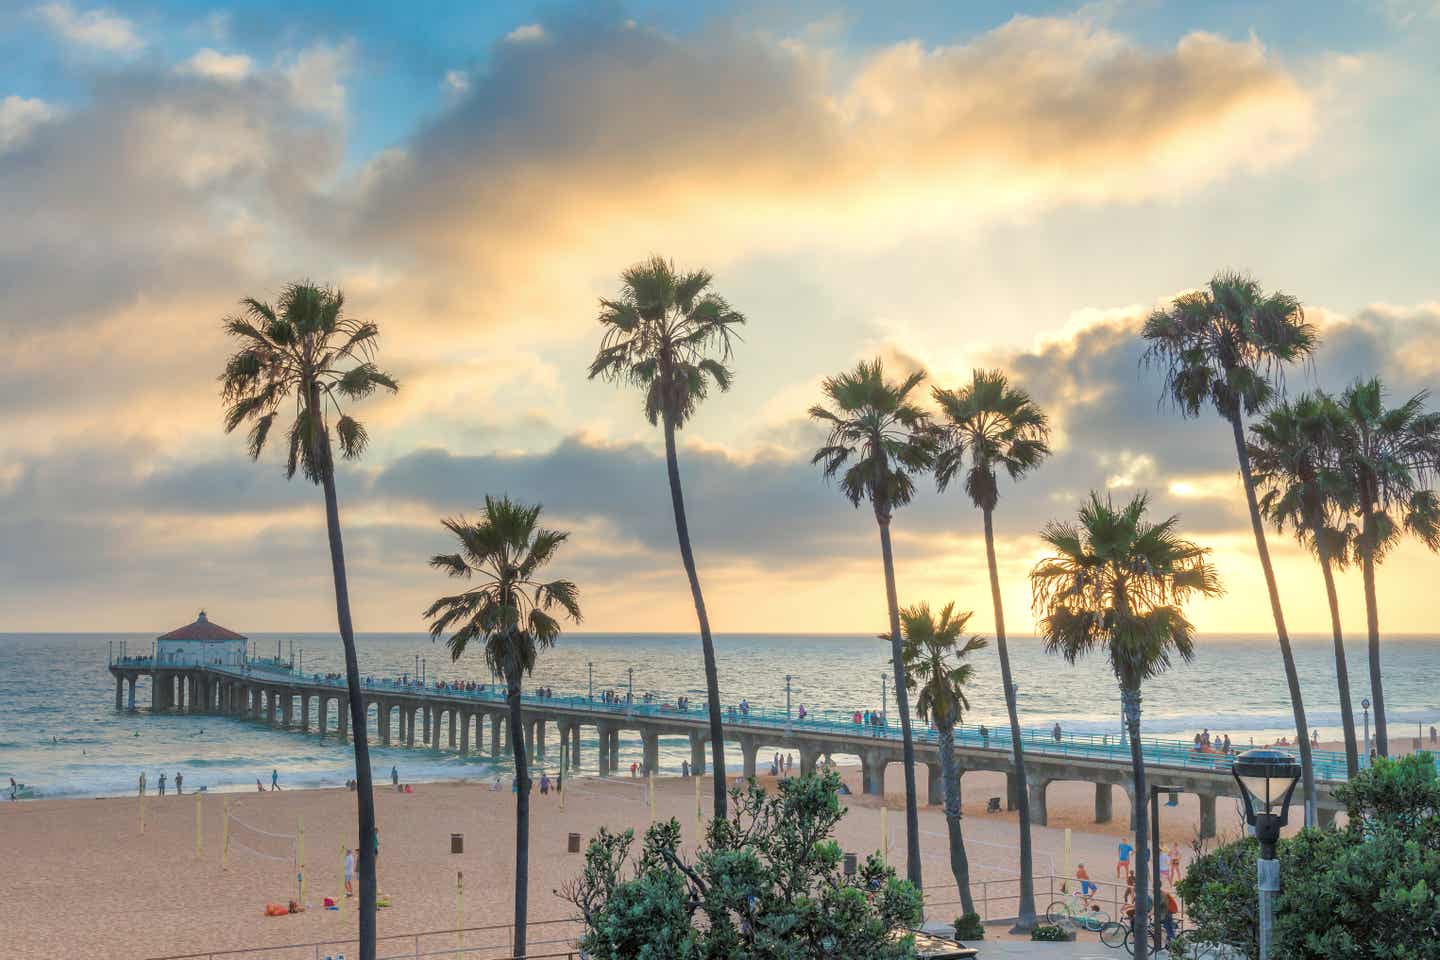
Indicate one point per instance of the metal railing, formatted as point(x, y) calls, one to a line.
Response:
point(547, 940)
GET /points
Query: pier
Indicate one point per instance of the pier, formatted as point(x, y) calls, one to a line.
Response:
point(444, 717)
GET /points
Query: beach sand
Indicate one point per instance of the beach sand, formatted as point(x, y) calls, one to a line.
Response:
point(81, 877)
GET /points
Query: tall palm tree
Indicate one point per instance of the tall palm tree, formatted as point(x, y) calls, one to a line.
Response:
point(1294, 452)
point(885, 439)
point(1115, 582)
point(1226, 346)
point(936, 664)
point(509, 612)
point(988, 426)
point(1388, 457)
point(306, 350)
point(668, 335)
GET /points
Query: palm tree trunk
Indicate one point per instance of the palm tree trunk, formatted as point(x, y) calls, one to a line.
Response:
point(364, 792)
point(1025, 920)
point(522, 810)
point(1342, 671)
point(950, 776)
point(1292, 676)
point(1372, 627)
point(902, 704)
point(1141, 926)
point(707, 644)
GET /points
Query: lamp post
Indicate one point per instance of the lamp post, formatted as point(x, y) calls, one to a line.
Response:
point(787, 696)
point(590, 665)
point(1267, 779)
point(884, 720)
point(631, 696)
point(1155, 891)
point(1365, 756)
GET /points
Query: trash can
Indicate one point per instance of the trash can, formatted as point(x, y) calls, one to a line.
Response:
point(573, 844)
point(850, 864)
point(457, 843)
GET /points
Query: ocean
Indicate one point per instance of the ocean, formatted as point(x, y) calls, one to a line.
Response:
point(60, 733)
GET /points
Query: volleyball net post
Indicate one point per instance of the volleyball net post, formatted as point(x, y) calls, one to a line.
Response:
point(225, 837)
point(300, 860)
point(199, 841)
point(884, 838)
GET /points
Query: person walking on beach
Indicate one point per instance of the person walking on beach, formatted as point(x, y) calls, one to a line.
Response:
point(349, 873)
point(162, 784)
point(179, 779)
point(1056, 733)
point(395, 775)
point(1087, 886)
point(1123, 867)
point(1165, 863)
point(274, 779)
point(544, 784)
point(1174, 863)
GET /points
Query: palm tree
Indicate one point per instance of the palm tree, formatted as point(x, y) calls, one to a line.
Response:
point(1115, 582)
point(889, 439)
point(1294, 452)
point(1388, 456)
point(509, 612)
point(936, 654)
point(1226, 346)
point(671, 337)
point(305, 347)
point(988, 426)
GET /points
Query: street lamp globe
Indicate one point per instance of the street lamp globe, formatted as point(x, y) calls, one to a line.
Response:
point(1267, 779)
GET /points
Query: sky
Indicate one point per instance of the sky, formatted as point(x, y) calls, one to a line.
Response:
point(941, 186)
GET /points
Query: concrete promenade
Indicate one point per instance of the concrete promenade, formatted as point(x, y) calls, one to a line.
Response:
point(447, 718)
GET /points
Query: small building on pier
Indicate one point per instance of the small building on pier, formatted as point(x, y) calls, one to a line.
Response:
point(200, 644)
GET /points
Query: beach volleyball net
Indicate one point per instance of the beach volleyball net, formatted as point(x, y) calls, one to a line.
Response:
point(249, 840)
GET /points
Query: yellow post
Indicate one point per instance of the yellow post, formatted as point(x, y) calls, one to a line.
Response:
point(199, 847)
point(340, 900)
point(225, 842)
point(1065, 884)
point(884, 839)
point(560, 778)
point(142, 814)
point(650, 777)
point(459, 901)
point(300, 859)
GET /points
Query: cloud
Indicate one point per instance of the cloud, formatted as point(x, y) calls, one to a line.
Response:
point(98, 29)
point(315, 75)
point(456, 81)
point(218, 66)
point(526, 33)
point(19, 116)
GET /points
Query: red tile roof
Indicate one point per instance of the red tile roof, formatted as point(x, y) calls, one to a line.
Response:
point(202, 629)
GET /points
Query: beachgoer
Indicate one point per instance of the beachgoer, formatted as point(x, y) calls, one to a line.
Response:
point(179, 779)
point(1125, 850)
point(162, 784)
point(802, 717)
point(1315, 737)
point(395, 775)
point(1087, 886)
point(1165, 862)
point(274, 779)
point(544, 784)
point(1129, 888)
point(14, 789)
point(684, 768)
point(259, 786)
point(349, 872)
point(1056, 733)
point(1174, 863)
point(789, 763)
point(1168, 907)
point(634, 768)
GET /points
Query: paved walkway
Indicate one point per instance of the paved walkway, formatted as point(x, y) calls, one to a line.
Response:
point(1018, 949)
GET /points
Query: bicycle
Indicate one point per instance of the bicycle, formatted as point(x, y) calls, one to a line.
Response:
point(1116, 934)
point(1074, 911)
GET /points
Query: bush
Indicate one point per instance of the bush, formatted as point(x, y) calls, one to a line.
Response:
point(1052, 934)
point(768, 885)
point(969, 927)
point(1367, 891)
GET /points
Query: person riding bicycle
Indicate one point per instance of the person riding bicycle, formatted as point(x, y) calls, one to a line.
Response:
point(1087, 886)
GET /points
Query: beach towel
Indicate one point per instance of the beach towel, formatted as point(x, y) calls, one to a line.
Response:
point(276, 910)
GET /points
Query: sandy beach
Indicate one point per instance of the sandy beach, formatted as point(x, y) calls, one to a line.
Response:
point(81, 874)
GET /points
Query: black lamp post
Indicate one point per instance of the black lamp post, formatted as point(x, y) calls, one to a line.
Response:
point(1267, 779)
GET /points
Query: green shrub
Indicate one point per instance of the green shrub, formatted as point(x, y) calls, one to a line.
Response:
point(969, 927)
point(1052, 934)
point(767, 885)
point(1367, 891)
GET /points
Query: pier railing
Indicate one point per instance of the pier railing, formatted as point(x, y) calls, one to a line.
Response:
point(748, 718)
